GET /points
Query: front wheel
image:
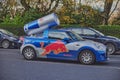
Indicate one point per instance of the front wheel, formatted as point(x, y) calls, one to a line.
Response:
point(5, 44)
point(87, 57)
point(110, 48)
point(29, 53)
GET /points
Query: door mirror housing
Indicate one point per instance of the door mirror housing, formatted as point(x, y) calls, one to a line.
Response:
point(96, 35)
point(66, 39)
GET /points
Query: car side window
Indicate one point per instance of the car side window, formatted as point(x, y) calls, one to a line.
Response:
point(78, 31)
point(88, 32)
point(38, 35)
point(57, 35)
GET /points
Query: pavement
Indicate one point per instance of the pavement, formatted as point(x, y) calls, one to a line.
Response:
point(14, 67)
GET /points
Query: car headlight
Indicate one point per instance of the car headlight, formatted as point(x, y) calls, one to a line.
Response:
point(12, 38)
point(100, 46)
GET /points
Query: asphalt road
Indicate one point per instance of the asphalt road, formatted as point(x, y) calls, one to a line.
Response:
point(14, 67)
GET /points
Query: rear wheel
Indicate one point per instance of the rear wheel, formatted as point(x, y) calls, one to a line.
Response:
point(87, 57)
point(110, 48)
point(5, 44)
point(29, 53)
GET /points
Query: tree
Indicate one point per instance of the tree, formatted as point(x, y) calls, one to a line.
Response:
point(25, 4)
point(12, 7)
point(117, 18)
point(108, 11)
point(66, 12)
point(43, 6)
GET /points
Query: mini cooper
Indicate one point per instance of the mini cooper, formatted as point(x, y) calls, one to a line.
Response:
point(64, 45)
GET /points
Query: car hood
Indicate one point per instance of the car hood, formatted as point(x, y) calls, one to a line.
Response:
point(11, 37)
point(111, 38)
point(86, 43)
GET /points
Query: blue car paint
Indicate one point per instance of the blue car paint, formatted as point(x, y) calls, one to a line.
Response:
point(72, 55)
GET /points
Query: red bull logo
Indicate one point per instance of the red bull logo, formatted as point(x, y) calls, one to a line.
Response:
point(57, 47)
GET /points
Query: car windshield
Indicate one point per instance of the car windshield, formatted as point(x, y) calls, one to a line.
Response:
point(6, 32)
point(98, 32)
point(74, 36)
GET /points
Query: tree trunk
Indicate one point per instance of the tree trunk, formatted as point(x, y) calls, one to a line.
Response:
point(107, 10)
point(25, 5)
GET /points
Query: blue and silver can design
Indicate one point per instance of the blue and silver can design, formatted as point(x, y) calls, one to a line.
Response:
point(41, 24)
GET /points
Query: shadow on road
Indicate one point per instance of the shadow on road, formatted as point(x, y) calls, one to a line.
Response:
point(68, 61)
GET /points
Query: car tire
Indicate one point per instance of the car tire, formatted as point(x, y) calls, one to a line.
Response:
point(110, 48)
point(29, 53)
point(86, 57)
point(5, 44)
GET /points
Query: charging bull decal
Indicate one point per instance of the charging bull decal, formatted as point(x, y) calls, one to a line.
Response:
point(57, 47)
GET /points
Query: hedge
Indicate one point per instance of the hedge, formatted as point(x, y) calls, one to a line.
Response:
point(111, 30)
point(16, 29)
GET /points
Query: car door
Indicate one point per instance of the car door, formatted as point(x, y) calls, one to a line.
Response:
point(56, 46)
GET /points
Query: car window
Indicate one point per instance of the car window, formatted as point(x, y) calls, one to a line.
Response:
point(37, 35)
point(88, 32)
point(78, 31)
point(57, 35)
point(74, 36)
point(6, 32)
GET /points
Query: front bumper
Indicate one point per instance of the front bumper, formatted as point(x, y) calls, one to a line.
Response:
point(118, 46)
point(16, 44)
point(101, 56)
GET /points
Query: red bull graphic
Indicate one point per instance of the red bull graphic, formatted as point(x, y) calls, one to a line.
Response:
point(57, 47)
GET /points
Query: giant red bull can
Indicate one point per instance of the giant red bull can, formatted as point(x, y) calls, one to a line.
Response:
point(41, 24)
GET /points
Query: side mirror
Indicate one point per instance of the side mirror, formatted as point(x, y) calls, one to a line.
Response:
point(66, 39)
point(96, 35)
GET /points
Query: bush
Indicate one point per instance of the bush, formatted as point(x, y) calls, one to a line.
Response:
point(28, 16)
point(111, 30)
point(16, 29)
point(31, 15)
point(16, 20)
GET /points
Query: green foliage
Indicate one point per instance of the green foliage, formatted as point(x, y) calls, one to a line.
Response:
point(16, 20)
point(85, 16)
point(31, 15)
point(14, 28)
point(111, 30)
point(28, 16)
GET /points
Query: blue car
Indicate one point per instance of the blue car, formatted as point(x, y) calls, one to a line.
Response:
point(64, 45)
point(9, 40)
point(112, 43)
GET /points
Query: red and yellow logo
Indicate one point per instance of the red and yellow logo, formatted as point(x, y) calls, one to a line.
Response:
point(57, 47)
